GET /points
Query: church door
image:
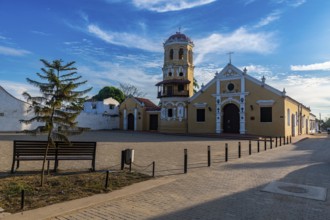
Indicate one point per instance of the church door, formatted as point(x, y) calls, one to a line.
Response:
point(130, 120)
point(153, 123)
point(231, 119)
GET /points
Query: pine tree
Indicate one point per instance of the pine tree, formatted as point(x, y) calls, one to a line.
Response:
point(58, 105)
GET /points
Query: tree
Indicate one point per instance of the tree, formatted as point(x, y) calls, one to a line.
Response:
point(110, 91)
point(58, 105)
point(131, 90)
point(196, 85)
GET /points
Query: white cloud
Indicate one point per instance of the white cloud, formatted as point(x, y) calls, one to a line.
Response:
point(269, 19)
point(12, 51)
point(240, 40)
point(169, 5)
point(311, 67)
point(292, 3)
point(16, 89)
point(125, 39)
point(112, 74)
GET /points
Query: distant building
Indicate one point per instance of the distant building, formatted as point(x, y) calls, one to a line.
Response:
point(232, 102)
point(138, 114)
point(12, 110)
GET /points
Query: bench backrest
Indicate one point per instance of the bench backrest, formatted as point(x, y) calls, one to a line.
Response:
point(76, 148)
point(32, 148)
point(37, 148)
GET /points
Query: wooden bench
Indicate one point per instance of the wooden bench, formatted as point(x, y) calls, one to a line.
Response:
point(35, 150)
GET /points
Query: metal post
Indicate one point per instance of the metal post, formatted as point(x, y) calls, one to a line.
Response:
point(130, 164)
point(290, 139)
point(185, 160)
point(239, 149)
point(153, 169)
point(265, 143)
point(250, 150)
point(208, 156)
point(287, 140)
point(271, 143)
point(258, 146)
point(22, 199)
point(226, 153)
point(107, 180)
point(280, 141)
point(122, 160)
point(283, 140)
point(276, 142)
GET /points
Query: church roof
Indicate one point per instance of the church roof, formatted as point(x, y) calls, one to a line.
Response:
point(173, 81)
point(179, 37)
point(150, 106)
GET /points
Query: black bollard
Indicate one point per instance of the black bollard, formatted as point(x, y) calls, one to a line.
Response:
point(276, 142)
point(250, 148)
point(208, 156)
point(290, 139)
point(280, 141)
point(226, 153)
point(258, 146)
point(185, 169)
point(287, 140)
point(22, 199)
point(107, 180)
point(265, 143)
point(239, 149)
point(153, 169)
point(271, 142)
point(122, 159)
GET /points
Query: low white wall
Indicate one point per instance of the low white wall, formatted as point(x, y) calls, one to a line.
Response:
point(97, 121)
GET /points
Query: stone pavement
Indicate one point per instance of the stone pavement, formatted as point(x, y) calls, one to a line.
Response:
point(223, 191)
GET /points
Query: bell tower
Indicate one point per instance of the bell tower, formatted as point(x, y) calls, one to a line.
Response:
point(177, 84)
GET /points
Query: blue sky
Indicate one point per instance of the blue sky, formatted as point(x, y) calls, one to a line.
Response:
point(121, 41)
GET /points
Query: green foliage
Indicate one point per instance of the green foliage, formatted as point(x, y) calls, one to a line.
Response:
point(196, 85)
point(325, 124)
point(110, 91)
point(59, 103)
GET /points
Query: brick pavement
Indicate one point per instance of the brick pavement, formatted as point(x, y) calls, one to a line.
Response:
point(228, 190)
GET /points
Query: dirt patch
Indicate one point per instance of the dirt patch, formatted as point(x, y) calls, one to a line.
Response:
point(60, 188)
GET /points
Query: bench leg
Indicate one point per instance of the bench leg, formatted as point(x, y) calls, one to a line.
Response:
point(12, 167)
point(55, 165)
point(17, 165)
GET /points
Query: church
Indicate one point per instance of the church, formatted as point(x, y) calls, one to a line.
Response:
point(232, 102)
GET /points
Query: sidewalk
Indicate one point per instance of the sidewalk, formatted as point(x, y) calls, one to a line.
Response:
point(224, 191)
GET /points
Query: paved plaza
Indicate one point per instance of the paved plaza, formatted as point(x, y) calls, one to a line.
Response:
point(232, 190)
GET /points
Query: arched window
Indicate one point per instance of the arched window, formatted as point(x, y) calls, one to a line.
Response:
point(181, 54)
point(170, 74)
point(171, 54)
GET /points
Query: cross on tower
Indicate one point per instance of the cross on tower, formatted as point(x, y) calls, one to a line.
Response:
point(229, 54)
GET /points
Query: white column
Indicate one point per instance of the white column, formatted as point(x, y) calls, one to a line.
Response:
point(125, 119)
point(242, 107)
point(135, 119)
point(218, 108)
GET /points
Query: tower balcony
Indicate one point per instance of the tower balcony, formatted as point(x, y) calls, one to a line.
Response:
point(172, 93)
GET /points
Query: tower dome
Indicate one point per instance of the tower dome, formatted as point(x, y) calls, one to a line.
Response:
point(179, 37)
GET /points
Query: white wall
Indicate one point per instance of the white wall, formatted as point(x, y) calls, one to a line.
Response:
point(11, 111)
point(97, 121)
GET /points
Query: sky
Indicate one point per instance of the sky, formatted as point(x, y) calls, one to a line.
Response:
point(121, 41)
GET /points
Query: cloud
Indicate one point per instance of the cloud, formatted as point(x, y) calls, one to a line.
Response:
point(269, 19)
point(16, 89)
point(292, 3)
point(240, 40)
point(169, 5)
point(311, 67)
point(40, 33)
point(125, 39)
point(12, 51)
point(106, 73)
